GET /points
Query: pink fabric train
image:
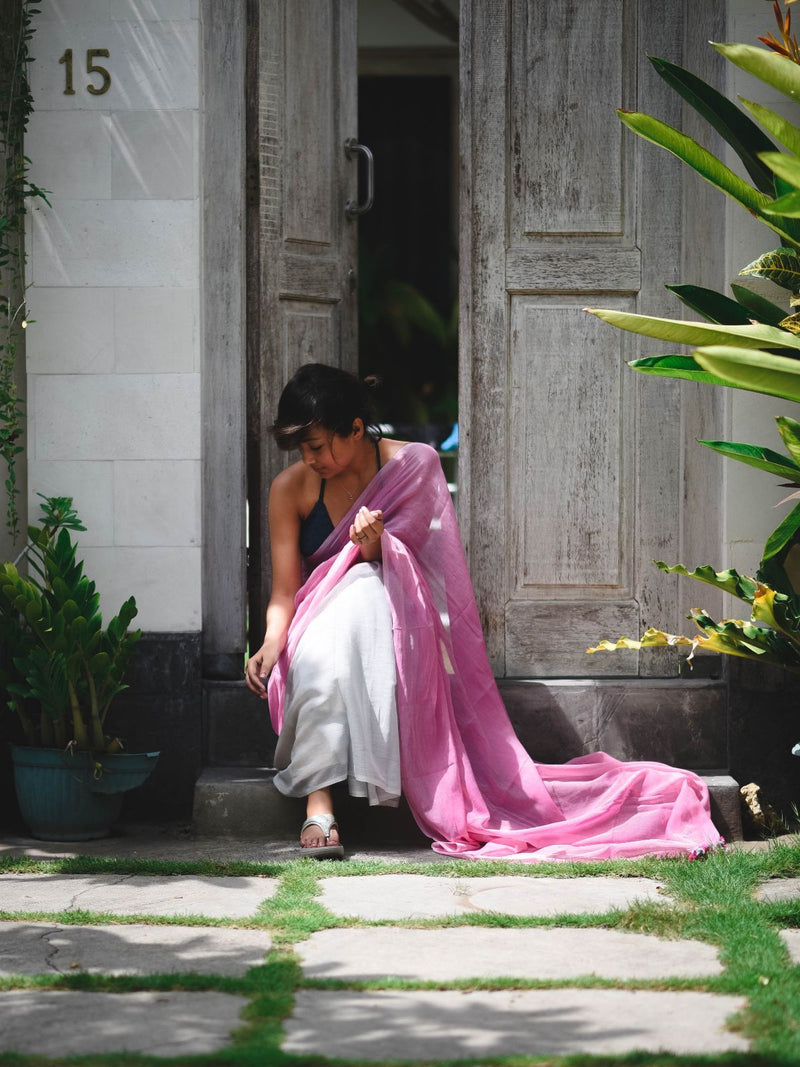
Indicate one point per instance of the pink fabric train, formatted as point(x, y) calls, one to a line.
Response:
point(471, 785)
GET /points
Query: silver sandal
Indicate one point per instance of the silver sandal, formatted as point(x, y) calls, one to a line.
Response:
point(326, 823)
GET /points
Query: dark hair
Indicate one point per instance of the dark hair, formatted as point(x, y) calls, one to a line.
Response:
point(319, 395)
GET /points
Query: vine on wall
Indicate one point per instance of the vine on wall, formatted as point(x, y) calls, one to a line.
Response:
point(16, 105)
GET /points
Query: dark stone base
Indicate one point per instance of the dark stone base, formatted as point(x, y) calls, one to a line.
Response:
point(237, 729)
point(682, 723)
point(161, 711)
point(764, 725)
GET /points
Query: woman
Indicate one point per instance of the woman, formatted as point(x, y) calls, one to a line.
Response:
point(379, 672)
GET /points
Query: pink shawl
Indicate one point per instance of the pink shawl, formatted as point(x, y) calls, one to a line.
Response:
point(470, 784)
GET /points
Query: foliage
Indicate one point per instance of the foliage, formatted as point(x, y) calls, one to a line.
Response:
point(412, 347)
point(744, 342)
point(58, 658)
point(16, 105)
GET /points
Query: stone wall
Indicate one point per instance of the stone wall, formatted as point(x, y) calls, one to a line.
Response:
point(114, 354)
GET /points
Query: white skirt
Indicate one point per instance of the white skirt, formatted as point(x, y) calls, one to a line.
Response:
point(340, 718)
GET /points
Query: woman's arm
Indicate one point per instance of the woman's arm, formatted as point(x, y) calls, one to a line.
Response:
point(284, 533)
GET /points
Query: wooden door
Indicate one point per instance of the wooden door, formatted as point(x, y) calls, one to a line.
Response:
point(302, 253)
point(573, 470)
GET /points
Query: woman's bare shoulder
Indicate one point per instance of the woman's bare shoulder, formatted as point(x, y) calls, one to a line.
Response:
point(389, 448)
point(291, 484)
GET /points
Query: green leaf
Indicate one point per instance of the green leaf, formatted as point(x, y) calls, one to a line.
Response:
point(786, 167)
point(707, 166)
point(789, 430)
point(698, 333)
point(788, 206)
point(778, 71)
point(713, 306)
point(780, 128)
point(741, 133)
point(764, 459)
point(759, 307)
point(781, 266)
point(761, 372)
point(783, 534)
point(672, 366)
point(730, 581)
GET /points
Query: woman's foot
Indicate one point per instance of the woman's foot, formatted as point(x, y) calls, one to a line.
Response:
point(313, 836)
point(319, 837)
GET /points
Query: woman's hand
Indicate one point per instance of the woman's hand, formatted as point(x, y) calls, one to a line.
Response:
point(366, 532)
point(258, 668)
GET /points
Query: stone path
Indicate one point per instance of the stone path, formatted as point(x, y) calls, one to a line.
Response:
point(373, 1024)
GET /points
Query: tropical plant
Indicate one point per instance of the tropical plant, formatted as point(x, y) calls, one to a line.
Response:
point(16, 189)
point(61, 669)
point(745, 342)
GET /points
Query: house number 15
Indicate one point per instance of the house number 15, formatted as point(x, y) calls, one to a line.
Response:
point(91, 68)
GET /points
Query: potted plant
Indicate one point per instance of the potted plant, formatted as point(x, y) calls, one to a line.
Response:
point(60, 671)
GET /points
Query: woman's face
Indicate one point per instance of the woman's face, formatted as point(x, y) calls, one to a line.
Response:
point(328, 453)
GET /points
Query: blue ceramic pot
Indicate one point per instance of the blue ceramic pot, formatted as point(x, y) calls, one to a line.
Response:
point(64, 797)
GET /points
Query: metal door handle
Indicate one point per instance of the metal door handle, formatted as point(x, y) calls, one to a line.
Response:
point(352, 208)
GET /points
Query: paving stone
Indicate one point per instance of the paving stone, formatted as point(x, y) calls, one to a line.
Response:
point(779, 889)
point(56, 1023)
point(412, 1025)
point(233, 898)
point(791, 938)
point(415, 896)
point(472, 952)
point(41, 948)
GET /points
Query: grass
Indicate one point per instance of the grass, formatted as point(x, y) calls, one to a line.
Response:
point(709, 900)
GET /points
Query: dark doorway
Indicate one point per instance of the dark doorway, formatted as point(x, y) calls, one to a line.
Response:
point(408, 257)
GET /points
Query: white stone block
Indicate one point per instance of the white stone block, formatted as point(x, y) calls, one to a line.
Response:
point(70, 153)
point(115, 242)
point(157, 503)
point(152, 65)
point(123, 416)
point(153, 155)
point(156, 330)
point(89, 483)
point(66, 12)
point(164, 581)
point(71, 331)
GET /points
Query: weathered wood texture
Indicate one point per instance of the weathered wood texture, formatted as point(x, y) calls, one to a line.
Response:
point(571, 466)
point(303, 307)
point(223, 347)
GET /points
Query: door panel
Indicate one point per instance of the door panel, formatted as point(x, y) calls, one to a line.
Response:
point(302, 252)
point(571, 467)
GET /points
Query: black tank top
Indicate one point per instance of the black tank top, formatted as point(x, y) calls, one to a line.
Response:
point(316, 527)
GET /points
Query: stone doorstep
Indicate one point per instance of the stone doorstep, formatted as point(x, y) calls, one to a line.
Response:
point(243, 802)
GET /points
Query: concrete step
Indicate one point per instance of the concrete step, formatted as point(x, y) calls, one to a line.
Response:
point(243, 802)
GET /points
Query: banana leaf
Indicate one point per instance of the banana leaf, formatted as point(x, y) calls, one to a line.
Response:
point(756, 456)
point(716, 307)
point(674, 366)
point(761, 372)
point(755, 336)
point(741, 133)
point(759, 307)
point(782, 129)
point(709, 167)
point(778, 71)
